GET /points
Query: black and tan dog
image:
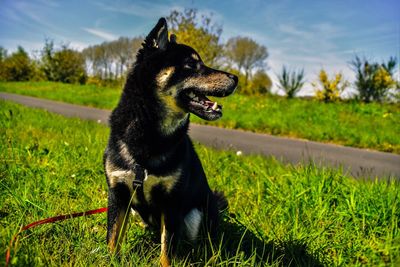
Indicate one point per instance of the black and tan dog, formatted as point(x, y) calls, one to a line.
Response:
point(150, 163)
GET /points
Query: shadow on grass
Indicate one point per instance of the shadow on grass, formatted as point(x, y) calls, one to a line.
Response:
point(237, 245)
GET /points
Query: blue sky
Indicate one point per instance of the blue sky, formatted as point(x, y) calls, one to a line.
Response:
point(300, 34)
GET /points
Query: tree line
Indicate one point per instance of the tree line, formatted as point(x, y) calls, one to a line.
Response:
point(108, 63)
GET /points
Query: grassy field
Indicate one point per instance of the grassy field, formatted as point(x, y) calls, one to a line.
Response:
point(279, 214)
point(374, 126)
point(87, 95)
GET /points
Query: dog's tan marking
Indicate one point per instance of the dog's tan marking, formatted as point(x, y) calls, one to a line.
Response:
point(195, 57)
point(138, 219)
point(168, 182)
point(170, 124)
point(174, 115)
point(164, 259)
point(124, 152)
point(117, 175)
point(163, 77)
point(118, 232)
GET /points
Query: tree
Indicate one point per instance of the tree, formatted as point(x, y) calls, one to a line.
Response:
point(291, 81)
point(3, 56)
point(69, 66)
point(17, 67)
point(373, 80)
point(329, 90)
point(47, 65)
point(199, 33)
point(65, 65)
point(111, 60)
point(246, 54)
point(259, 84)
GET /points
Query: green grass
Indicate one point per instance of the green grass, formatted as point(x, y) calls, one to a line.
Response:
point(374, 126)
point(88, 95)
point(279, 214)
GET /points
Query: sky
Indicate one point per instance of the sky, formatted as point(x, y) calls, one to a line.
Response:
point(306, 34)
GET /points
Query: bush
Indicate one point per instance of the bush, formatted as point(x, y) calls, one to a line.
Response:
point(373, 80)
point(291, 81)
point(330, 90)
point(17, 67)
point(65, 65)
point(260, 83)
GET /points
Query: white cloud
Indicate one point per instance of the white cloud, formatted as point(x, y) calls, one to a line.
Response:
point(101, 33)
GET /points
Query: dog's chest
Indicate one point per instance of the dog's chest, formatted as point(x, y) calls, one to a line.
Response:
point(165, 182)
point(128, 177)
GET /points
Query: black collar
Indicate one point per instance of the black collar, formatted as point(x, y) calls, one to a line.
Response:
point(140, 175)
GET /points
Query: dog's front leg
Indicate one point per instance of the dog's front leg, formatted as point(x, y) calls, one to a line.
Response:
point(170, 224)
point(165, 261)
point(117, 215)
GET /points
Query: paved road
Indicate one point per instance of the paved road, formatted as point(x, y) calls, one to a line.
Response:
point(359, 162)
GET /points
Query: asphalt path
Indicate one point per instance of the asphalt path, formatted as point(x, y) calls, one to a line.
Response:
point(357, 162)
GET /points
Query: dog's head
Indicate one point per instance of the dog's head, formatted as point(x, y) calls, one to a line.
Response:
point(181, 79)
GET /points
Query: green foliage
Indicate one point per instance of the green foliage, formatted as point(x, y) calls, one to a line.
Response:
point(259, 84)
point(349, 123)
point(16, 67)
point(64, 65)
point(329, 90)
point(291, 81)
point(246, 54)
point(279, 215)
point(197, 32)
point(373, 80)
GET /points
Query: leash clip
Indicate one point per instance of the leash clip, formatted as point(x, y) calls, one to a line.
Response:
point(137, 183)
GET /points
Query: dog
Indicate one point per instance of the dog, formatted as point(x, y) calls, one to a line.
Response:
point(150, 164)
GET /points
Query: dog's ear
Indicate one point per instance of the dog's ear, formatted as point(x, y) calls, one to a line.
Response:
point(158, 37)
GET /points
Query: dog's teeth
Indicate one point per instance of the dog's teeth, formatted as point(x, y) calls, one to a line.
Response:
point(195, 98)
point(192, 95)
point(215, 106)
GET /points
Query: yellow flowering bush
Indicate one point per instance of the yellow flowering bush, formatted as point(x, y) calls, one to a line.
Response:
point(383, 79)
point(329, 90)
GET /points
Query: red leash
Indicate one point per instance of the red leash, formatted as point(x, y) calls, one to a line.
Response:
point(50, 220)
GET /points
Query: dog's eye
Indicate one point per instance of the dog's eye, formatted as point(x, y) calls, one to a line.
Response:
point(191, 65)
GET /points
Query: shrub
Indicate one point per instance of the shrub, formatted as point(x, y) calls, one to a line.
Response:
point(17, 67)
point(260, 83)
point(291, 81)
point(329, 90)
point(373, 80)
point(65, 65)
